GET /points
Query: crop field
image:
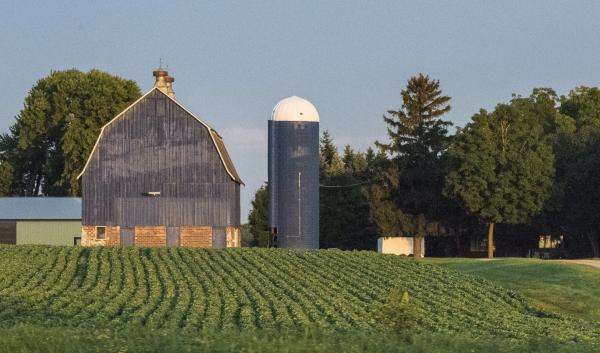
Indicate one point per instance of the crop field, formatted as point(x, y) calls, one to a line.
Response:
point(255, 289)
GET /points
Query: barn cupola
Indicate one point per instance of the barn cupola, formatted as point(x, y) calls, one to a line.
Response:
point(164, 82)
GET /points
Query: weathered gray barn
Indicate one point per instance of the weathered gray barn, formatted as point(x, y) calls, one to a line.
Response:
point(159, 176)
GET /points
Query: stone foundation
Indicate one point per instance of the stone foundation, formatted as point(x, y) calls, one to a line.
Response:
point(89, 236)
point(234, 237)
point(150, 236)
point(195, 237)
point(156, 236)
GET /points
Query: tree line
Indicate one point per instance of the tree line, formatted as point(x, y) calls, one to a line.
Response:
point(526, 168)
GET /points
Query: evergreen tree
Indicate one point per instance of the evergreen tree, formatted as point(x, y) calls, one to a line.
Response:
point(409, 201)
point(258, 219)
point(330, 162)
point(344, 210)
point(54, 133)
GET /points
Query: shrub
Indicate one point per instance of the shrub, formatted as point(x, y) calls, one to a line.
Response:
point(398, 314)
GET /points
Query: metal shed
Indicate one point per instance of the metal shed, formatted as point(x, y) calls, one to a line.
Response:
point(40, 220)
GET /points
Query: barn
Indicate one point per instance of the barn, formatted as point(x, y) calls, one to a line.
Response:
point(160, 176)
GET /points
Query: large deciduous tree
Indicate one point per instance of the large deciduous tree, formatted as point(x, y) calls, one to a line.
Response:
point(575, 204)
point(504, 164)
point(54, 133)
point(409, 200)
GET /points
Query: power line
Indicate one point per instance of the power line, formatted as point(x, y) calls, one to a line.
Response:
point(344, 186)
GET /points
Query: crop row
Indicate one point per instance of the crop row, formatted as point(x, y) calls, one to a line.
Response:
point(253, 289)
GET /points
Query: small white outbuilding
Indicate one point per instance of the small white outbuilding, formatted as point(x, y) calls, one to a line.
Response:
point(398, 245)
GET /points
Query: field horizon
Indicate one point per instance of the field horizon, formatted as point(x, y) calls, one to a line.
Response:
point(199, 291)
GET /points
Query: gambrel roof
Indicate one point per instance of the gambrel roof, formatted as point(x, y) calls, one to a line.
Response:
point(214, 135)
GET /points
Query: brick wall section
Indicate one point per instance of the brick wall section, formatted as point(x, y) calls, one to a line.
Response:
point(150, 236)
point(88, 236)
point(113, 236)
point(233, 237)
point(195, 236)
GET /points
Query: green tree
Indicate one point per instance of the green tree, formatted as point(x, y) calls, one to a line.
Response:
point(573, 208)
point(344, 210)
point(330, 161)
point(409, 200)
point(258, 219)
point(583, 105)
point(504, 166)
point(581, 194)
point(54, 133)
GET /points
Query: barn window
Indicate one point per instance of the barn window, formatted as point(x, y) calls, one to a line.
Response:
point(77, 241)
point(100, 232)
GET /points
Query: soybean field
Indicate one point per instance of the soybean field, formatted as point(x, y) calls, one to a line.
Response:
point(250, 289)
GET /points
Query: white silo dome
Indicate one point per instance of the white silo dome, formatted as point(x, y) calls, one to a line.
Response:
point(295, 109)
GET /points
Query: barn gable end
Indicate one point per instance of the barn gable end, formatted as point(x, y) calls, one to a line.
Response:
point(157, 165)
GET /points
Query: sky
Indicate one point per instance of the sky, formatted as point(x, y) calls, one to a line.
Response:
point(233, 61)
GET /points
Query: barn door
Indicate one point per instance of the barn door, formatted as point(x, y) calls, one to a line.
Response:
point(172, 236)
point(127, 236)
point(8, 232)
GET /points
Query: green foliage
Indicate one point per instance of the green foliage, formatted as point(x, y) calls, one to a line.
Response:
point(504, 165)
point(195, 290)
point(258, 219)
point(409, 199)
point(330, 162)
point(6, 178)
point(576, 188)
point(581, 191)
point(68, 340)
point(344, 210)
point(583, 105)
point(54, 133)
point(397, 314)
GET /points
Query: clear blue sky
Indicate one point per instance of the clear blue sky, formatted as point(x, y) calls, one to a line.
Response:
point(233, 61)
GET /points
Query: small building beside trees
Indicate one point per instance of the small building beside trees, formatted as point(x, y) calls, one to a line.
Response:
point(40, 220)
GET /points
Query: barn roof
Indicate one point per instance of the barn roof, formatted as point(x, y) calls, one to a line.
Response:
point(215, 137)
point(40, 208)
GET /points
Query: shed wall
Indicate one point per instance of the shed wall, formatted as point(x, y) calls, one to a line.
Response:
point(8, 232)
point(47, 232)
point(156, 146)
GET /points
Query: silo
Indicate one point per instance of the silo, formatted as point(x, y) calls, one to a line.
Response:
point(294, 174)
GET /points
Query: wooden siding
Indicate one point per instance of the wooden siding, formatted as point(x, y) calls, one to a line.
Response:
point(156, 146)
point(8, 232)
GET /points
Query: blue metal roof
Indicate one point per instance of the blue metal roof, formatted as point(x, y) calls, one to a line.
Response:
point(43, 208)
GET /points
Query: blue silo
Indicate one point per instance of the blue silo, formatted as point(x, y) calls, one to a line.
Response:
point(294, 174)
